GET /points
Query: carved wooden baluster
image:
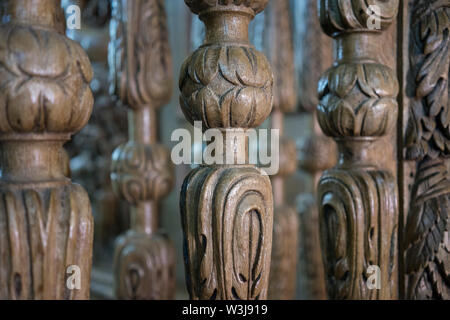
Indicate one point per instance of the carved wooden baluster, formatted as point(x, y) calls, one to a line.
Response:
point(142, 173)
point(285, 224)
point(227, 208)
point(357, 200)
point(316, 152)
point(45, 221)
point(426, 242)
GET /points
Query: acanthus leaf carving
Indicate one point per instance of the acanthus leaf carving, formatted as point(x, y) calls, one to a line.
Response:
point(427, 252)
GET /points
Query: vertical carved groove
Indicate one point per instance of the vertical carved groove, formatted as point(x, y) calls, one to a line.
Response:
point(45, 221)
point(426, 242)
point(227, 84)
point(316, 152)
point(285, 237)
point(141, 173)
point(358, 206)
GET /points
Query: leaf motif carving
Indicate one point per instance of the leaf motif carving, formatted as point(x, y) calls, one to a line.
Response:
point(235, 203)
point(226, 86)
point(428, 142)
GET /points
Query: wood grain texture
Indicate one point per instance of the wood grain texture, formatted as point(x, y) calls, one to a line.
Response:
point(358, 204)
point(426, 243)
point(141, 170)
point(45, 221)
point(227, 210)
point(278, 34)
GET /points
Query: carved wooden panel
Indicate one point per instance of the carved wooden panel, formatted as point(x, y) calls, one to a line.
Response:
point(141, 70)
point(45, 221)
point(278, 35)
point(227, 209)
point(358, 201)
point(426, 244)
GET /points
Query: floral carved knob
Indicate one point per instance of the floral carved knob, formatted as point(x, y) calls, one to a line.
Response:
point(226, 83)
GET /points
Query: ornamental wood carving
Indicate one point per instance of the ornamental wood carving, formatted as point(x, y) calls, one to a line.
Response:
point(426, 243)
point(358, 205)
point(278, 35)
point(46, 223)
point(141, 74)
point(227, 210)
point(316, 152)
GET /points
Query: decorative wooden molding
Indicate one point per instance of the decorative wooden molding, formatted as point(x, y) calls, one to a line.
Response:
point(316, 152)
point(46, 223)
point(141, 70)
point(358, 206)
point(426, 242)
point(277, 34)
point(227, 209)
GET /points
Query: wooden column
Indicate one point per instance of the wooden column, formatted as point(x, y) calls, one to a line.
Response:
point(358, 206)
point(46, 226)
point(227, 209)
point(142, 172)
point(427, 145)
point(316, 152)
point(280, 51)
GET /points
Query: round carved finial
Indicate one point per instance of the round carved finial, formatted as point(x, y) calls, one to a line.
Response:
point(141, 172)
point(199, 6)
point(46, 77)
point(226, 86)
point(340, 16)
point(357, 100)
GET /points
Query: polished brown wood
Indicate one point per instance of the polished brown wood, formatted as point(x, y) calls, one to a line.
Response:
point(227, 209)
point(426, 244)
point(46, 226)
point(278, 34)
point(140, 61)
point(358, 203)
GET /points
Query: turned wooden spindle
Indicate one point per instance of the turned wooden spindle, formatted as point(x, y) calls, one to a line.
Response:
point(142, 172)
point(227, 208)
point(316, 152)
point(358, 207)
point(426, 242)
point(46, 226)
point(277, 34)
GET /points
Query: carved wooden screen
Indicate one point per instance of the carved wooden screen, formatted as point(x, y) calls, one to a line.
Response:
point(46, 225)
point(142, 173)
point(362, 218)
point(227, 209)
point(425, 183)
point(358, 202)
